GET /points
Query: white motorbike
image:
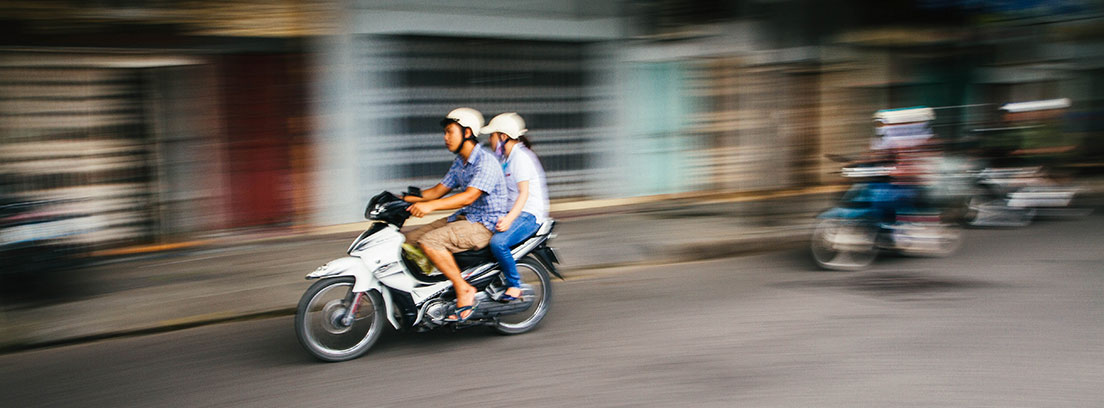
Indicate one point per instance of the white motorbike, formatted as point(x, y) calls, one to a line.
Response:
point(342, 315)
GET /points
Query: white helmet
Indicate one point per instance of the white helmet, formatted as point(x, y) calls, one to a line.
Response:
point(466, 117)
point(511, 124)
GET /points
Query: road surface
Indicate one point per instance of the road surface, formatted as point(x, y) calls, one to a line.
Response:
point(1016, 318)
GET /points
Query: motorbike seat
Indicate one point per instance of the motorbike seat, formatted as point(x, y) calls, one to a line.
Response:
point(468, 259)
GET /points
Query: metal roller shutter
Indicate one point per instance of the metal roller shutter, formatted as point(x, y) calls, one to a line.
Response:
point(422, 78)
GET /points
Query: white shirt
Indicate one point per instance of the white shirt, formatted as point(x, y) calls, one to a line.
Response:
point(522, 165)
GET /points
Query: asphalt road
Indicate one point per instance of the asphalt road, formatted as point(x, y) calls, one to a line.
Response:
point(1014, 319)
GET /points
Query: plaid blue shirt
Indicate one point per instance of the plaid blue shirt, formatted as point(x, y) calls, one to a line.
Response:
point(481, 171)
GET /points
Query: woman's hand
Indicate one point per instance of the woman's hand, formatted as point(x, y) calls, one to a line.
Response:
point(504, 223)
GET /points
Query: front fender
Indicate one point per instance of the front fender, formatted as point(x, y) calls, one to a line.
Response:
point(364, 280)
point(348, 266)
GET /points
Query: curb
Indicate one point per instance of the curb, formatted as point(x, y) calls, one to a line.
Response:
point(786, 238)
point(180, 324)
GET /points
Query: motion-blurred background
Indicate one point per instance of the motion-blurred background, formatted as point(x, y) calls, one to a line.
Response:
point(138, 122)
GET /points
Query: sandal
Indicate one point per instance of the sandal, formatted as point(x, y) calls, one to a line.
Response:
point(456, 317)
point(504, 298)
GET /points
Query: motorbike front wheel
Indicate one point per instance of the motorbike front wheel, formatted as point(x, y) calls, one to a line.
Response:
point(324, 328)
point(843, 245)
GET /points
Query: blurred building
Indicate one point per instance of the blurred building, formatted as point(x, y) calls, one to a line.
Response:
point(396, 67)
point(175, 118)
point(778, 84)
point(164, 118)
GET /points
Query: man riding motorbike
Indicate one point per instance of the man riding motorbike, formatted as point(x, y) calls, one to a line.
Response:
point(482, 202)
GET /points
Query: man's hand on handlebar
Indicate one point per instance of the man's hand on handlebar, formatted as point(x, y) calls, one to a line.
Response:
point(420, 209)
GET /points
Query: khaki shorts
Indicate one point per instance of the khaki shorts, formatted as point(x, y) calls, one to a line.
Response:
point(457, 236)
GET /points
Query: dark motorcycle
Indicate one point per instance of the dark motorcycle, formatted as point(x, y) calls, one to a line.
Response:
point(876, 214)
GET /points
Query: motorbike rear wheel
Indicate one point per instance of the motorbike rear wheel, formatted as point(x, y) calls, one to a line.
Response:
point(950, 239)
point(535, 274)
point(843, 246)
point(320, 323)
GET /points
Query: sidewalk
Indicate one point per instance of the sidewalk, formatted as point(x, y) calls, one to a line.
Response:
point(232, 277)
point(242, 276)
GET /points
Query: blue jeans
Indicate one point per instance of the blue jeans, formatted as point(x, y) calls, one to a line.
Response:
point(524, 226)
